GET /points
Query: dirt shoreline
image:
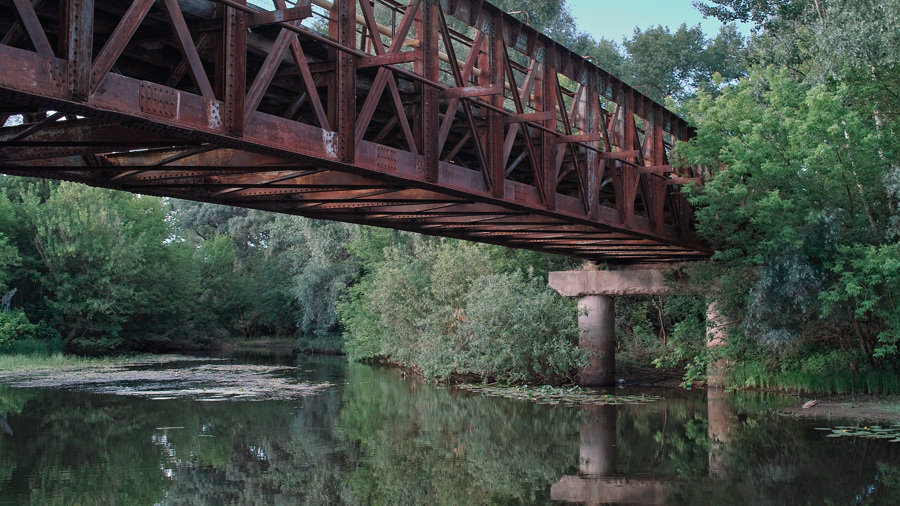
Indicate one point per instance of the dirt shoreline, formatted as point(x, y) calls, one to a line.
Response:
point(870, 408)
point(651, 377)
point(855, 408)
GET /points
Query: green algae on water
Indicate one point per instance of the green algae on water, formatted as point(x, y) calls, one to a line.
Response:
point(571, 396)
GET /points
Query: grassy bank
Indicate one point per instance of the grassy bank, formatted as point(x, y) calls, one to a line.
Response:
point(31, 361)
point(637, 368)
point(31, 346)
point(755, 375)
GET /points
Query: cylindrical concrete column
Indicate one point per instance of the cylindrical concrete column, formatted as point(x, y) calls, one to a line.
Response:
point(598, 441)
point(715, 337)
point(597, 326)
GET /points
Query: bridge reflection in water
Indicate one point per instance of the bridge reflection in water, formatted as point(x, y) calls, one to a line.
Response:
point(598, 480)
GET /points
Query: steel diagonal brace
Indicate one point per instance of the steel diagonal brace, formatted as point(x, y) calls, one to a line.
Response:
point(385, 77)
point(460, 82)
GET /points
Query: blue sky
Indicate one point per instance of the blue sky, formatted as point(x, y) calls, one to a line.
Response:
point(615, 19)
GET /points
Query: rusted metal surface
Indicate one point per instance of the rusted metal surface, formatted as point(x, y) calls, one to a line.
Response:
point(445, 117)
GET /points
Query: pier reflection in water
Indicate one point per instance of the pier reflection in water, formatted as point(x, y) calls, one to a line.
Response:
point(719, 418)
point(374, 437)
point(597, 481)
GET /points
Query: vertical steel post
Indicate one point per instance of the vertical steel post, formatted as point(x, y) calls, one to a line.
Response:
point(548, 103)
point(495, 119)
point(656, 156)
point(686, 216)
point(235, 69)
point(592, 118)
point(342, 28)
point(78, 34)
point(629, 190)
point(658, 147)
point(430, 118)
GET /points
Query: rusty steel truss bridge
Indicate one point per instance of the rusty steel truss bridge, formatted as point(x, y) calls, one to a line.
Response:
point(443, 117)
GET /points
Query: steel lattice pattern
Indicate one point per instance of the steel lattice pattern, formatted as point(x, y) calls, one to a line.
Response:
point(448, 118)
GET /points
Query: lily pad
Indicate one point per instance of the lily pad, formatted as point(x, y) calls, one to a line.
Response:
point(571, 396)
point(869, 432)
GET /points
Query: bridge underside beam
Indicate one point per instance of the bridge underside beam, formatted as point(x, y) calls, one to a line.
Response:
point(445, 117)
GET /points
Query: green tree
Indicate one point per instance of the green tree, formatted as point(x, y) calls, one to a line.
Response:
point(106, 264)
point(223, 294)
point(320, 266)
point(665, 64)
point(801, 199)
point(867, 285)
point(9, 253)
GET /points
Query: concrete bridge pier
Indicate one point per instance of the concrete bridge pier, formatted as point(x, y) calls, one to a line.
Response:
point(596, 290)
point(715, 337)
point(597, 326)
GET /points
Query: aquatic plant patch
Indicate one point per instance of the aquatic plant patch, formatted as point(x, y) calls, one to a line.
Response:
point(891, 434)
point(572, 396)
point(202, 381)
point(15, 365)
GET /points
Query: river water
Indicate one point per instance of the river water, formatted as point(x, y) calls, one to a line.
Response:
point(374, 437)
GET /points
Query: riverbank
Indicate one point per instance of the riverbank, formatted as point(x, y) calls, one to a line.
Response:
point(12, 364)
point(169, 376)
point(849, 407)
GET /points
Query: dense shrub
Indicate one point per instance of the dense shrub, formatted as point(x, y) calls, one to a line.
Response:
point(14, 325)
point(518, 329)
point(453, 308)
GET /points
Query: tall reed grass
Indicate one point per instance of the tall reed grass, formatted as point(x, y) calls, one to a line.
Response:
point(24, 362)
point(30, 346)
point(756, 375)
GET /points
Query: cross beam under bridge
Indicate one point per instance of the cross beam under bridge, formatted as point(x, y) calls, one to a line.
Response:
point(447, 118)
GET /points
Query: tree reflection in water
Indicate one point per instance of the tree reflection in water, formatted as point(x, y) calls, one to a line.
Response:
point(375, 437)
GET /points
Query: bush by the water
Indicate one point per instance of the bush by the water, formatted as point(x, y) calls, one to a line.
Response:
point(451, 308)
point(18, 336)
point(14, 325)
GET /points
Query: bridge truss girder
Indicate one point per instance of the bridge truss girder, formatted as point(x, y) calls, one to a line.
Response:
point(461, 122)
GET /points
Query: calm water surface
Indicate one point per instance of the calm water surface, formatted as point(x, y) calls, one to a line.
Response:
point(377, 438)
